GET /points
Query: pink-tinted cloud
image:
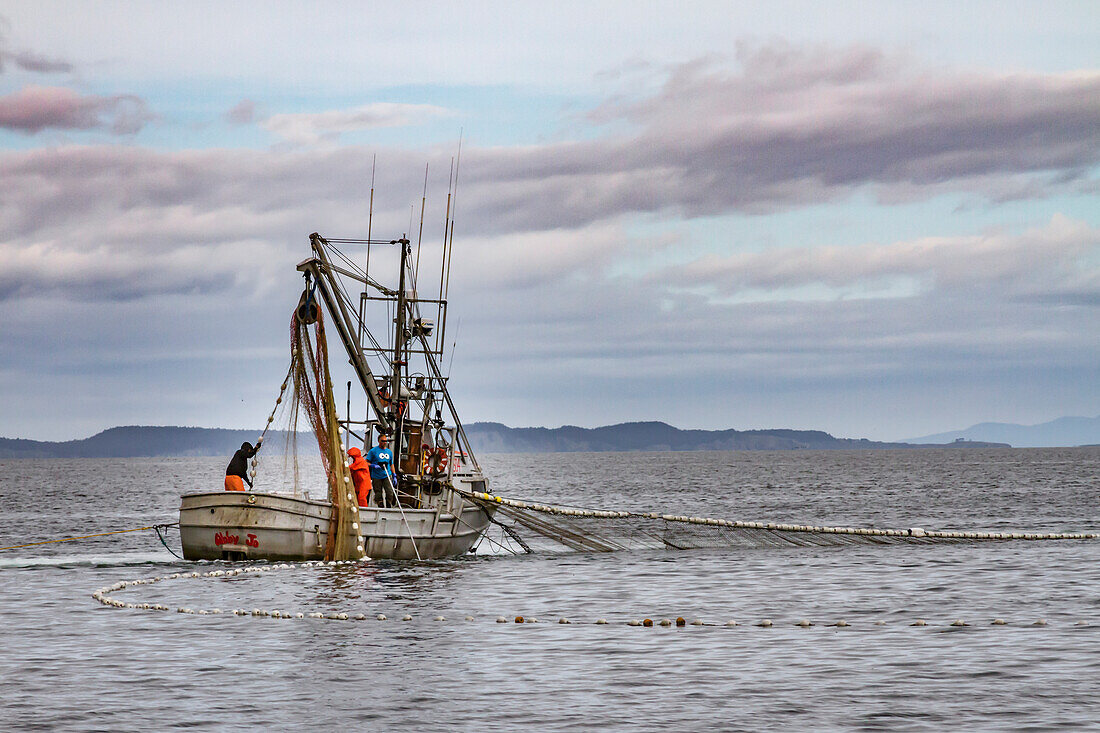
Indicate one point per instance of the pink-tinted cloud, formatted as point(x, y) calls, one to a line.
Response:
point(36, 108)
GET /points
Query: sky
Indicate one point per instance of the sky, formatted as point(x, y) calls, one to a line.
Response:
point(877, 219)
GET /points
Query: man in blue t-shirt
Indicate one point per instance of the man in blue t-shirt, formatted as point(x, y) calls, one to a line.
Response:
point(382, 479)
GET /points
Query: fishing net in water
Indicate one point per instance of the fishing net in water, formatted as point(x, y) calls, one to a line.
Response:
point(312, 396)
point(536, 526)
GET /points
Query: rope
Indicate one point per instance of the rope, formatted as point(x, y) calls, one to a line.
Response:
point(157, 528)
point(88, 536)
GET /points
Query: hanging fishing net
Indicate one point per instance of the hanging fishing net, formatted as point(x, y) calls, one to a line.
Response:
point(311, 395)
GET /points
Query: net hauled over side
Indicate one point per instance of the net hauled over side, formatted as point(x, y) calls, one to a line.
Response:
point(595, 530)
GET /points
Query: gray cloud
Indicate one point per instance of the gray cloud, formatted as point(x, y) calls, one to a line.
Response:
point(36, 108)
point(242, 113)
point(1040, 263)
point(28, 60)
point(793, 126)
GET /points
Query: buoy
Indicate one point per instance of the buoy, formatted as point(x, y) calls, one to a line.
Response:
point(959, 622)
point(381, 617)
point(697, 622)
point(841, 624)
point(563, 621)
point(804, 623)
point(601, 621)
point(469, 618)
point(406, 617)
point(1082, 623)
point(360, 617)
point(519, 619)
point(440, 618)
point(680, 621)
point(666, 622)
point(766, 623)
point(1040, 622)
point(647, 622)
point(633, 622)
point(731, 622)
point(919, 622)
point(998, 622)
point(531, 620)
point(501, 620)
point(880, 622)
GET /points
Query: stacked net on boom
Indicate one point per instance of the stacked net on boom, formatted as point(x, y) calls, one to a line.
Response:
point(533, 526)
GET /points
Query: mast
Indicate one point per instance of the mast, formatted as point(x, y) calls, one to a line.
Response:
point(399, 335)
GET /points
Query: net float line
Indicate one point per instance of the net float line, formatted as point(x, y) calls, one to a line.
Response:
point(608, 530)
point(103, 597)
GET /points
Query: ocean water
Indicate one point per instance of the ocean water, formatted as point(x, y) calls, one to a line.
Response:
point(68, 663)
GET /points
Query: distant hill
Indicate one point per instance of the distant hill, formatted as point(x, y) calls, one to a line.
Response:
point(492, 437)
point(136, 441)
point(1065, 431)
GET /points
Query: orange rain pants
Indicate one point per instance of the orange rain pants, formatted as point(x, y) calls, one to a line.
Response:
point(360, 476)
point(234, 483)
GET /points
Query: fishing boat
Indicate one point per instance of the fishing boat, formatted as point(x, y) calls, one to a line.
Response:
point(430, 510)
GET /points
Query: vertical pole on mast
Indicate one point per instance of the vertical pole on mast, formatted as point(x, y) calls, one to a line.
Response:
point(398, 354)
point(399, 320)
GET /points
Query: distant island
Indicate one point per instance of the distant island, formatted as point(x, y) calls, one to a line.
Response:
point(492, 437)
point(1065, 431)
point(136, 441)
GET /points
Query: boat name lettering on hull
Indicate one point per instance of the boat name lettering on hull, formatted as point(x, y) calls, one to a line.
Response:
point(224, 538)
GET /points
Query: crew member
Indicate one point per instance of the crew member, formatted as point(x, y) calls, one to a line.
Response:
point(383, 482)
point(360, 475)
point(236, 473)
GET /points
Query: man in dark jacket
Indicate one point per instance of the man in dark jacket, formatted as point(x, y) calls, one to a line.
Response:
point(236, 473)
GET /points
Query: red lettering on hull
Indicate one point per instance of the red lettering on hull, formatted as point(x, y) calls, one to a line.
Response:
point(226, 539)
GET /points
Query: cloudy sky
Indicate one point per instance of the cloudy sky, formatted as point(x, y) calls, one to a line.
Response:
point(877, 219)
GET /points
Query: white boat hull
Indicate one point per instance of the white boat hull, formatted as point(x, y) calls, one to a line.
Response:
point(233, 525)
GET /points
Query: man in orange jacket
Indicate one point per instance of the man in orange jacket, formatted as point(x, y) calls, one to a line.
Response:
point(360, 475)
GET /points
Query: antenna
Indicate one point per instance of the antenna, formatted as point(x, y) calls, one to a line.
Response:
point(366, 272)
point(420, 236)
point(370, 214)
point(449, 253)
point(440, 341)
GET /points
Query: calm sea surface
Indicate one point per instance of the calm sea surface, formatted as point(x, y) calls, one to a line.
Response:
point(68, 663)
